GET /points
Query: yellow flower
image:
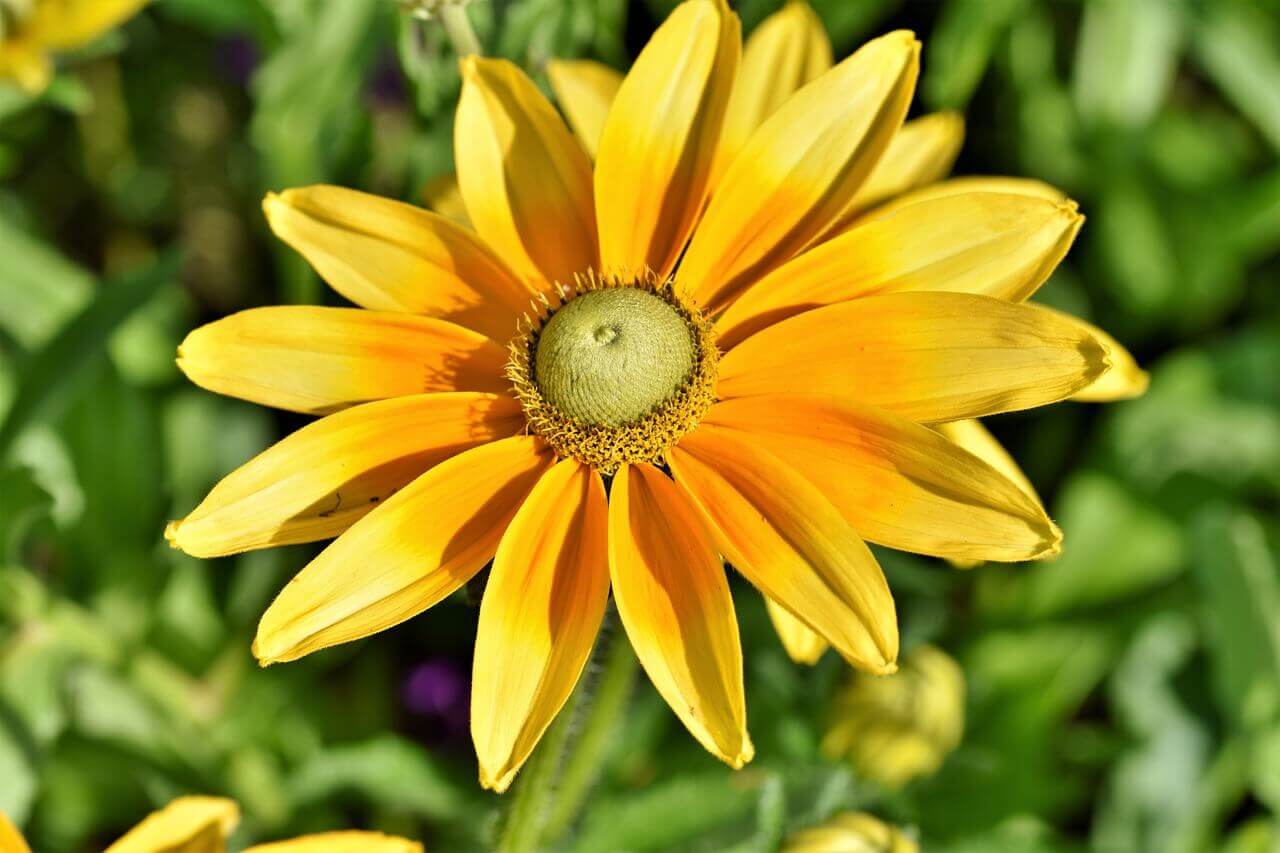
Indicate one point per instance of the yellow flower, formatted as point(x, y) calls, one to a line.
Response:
point(30, 30)
point(202, 825)
point(898, 727)
point(754, 377)
point(851, 832)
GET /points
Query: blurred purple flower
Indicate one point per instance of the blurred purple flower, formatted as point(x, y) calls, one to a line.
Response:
point(238, 57)
point(437, 689)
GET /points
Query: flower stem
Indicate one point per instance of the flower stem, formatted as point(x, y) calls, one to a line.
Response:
point(600, 721)
point(458, 27)
point(558, 776)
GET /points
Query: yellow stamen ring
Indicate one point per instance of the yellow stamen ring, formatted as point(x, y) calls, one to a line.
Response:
point(615, 372)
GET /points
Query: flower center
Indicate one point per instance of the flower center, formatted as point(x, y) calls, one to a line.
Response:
point(611, 356)
point(616, 373)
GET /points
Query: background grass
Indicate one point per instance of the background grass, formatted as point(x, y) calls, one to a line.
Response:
point(1123, 698)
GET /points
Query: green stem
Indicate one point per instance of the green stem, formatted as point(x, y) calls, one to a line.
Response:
point(600, 723)
point(547, 798)
point(536, 786)
point(458, 27)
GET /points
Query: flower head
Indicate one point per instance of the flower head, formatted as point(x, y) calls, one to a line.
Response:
point(898, 727)
point(31, 30)
point(851, 832)
point(696, 348)
point(203, 824)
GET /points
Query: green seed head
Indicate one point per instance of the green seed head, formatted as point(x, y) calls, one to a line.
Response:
point(609, 357)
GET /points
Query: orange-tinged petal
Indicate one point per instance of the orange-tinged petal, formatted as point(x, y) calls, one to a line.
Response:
point(585, 90)
point(674, 601)
point(74, 23)
point(789, 49)
point(314, 360)
point(927, 357)
point(780, 531)
point(997, 244)
point(328, 475)
point(11, 840)
point(1124, 381)
point(542, 609)
point(390, 256)
point(341, 842)
point(426, 541)
point(795, 174)
point(803, 645)
point(654, 165)
point(897, 483)
point(525, 179)
point(188, 824)
point(922, 152)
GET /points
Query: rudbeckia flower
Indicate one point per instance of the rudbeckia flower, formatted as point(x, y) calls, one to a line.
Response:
point(896, 728)
point(696, 349)
point(32, 30)
point(203, 824)
point(851, 832)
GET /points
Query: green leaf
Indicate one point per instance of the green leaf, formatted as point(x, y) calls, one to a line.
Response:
point(39, 289)
point(1235, 43)
point(1239, 593)
point(388, 771)
point(961, 46)
point(48, 371)
point(1114, 545)
point(1125, 59)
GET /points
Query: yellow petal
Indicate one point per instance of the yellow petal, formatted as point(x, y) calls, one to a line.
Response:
point(656, 149)
point(585, 90)
point(315, 360)
point(11, 840)
point(441, 195)
point(26, 63)
point(802, 644)
point(390, 256)
point(73, 23)
point(426, 541)
point(927, 357)
point(921, 153)
point(1000, 245)
point(673, 598)
point(1124, 381)
point(542, 608)
point(341, 842)
point(896, 482)
point(525, 179)
point(791, 542)
point(970, 184)
point(789, 49)
point(971, 435)
point(328, 475)
point(188, 824)
point(796, 172)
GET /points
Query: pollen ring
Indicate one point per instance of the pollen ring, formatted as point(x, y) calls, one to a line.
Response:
point(587, 419)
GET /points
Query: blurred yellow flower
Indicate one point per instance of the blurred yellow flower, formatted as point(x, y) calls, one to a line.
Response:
point(724, 329)
point(203, 824)
point(851, 832)
point(32, 30)
point(899, 727)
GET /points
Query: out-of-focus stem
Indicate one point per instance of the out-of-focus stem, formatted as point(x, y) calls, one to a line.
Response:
point(458, 27)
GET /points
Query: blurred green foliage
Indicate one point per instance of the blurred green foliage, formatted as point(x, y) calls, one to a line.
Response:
point(1125, 697)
